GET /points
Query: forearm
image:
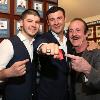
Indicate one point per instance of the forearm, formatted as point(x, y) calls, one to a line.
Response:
point(94, 79)
point(4, 73)
point(38, 42)
point(87, 70)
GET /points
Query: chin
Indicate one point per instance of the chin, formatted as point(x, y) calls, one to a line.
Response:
point(56, 31)
point(75, 45)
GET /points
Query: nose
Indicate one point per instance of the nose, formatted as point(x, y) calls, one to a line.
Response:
point(74, 32)
point(56, 22)
point(33, 24)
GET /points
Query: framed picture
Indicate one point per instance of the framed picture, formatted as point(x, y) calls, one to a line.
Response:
point(4, 28)
point(97, 31)
point(5, 6)
point(37, 5)
point(41, 30)
point(20, 6)
point(53, 1)
point(98, 41)
point(51, 5)
point(17, 27)
point(90, 32)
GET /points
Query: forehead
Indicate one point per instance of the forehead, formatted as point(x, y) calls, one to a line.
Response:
point(76, 24)
point(56, 14)
point(33, 17)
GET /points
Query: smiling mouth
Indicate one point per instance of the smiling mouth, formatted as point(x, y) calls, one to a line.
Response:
point(56, 27)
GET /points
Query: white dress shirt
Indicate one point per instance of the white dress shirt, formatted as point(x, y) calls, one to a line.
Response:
point(62, 44)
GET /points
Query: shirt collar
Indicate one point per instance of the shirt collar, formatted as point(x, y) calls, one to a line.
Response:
point(23, 38)
point(56, 36)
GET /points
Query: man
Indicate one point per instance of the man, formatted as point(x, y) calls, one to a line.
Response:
point(16, 65)
point(87, 67)
point(53, 72)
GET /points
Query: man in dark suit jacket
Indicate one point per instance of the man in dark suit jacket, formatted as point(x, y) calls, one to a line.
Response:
point(53, 83)
point(87, 67)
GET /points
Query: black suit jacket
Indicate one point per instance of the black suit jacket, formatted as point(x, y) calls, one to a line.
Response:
point(53, 73)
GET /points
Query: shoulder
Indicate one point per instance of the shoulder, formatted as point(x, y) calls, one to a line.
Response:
point(95, 52)
point(6, 47)
point(15, 37)
point(5, 42)
point(92, 54)
point(44, 36)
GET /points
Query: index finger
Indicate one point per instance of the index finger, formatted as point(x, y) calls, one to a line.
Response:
point(71, 56)
point(23, 62)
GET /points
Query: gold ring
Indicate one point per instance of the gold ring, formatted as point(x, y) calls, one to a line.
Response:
point(48, 51)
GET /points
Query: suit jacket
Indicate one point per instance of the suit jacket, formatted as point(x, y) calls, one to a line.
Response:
point(89, 90)
point(53, 73)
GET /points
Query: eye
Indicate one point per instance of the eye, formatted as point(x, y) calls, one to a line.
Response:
point(78, 30)
point(29, 20)
point(52, 19)
point(38, 22)
point(59, 18)
point(70, 31)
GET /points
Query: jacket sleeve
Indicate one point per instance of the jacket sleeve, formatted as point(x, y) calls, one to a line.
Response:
point(38, 41)
point(94, 76)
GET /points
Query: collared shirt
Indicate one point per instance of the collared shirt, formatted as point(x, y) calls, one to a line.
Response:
point(7, 51)
point(62, 44)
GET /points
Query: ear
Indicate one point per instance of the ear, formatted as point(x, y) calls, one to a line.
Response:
point(21, 23)
point(48, 22)
point(86, 34)
point(65, 19)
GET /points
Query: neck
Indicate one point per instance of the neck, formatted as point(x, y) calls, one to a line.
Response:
point(27, 36)
point(82, 47)
point(61, 36)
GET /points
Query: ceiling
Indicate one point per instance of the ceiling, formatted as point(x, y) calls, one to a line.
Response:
point(80, 8)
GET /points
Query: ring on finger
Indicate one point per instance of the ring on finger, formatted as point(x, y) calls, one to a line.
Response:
point(48, 50)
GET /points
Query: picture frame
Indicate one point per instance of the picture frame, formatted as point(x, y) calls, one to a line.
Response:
point(98, 42)
point(4, 28)
point(51, 5)
point(5, 6)
point(17, 27)
point(41, 29)
point(90, 32)
point(98, 31)
point(55, 1)
point(38, 5)
point(20, 6)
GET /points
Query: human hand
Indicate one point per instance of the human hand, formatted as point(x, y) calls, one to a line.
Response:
point(49, 49)
point(92, 45)
point(17, 69)
point(79, 64)
point(52, 49)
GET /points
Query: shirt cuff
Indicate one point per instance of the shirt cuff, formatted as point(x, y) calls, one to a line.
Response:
point(38, 49)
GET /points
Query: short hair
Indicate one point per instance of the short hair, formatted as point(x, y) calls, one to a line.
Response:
point(85, 24)
point(29, 12)
point(55, 9)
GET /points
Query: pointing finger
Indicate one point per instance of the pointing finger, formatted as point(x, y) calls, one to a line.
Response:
point(23, 62)
point(72, 56)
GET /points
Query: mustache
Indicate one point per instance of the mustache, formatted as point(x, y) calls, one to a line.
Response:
point(75, 37)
